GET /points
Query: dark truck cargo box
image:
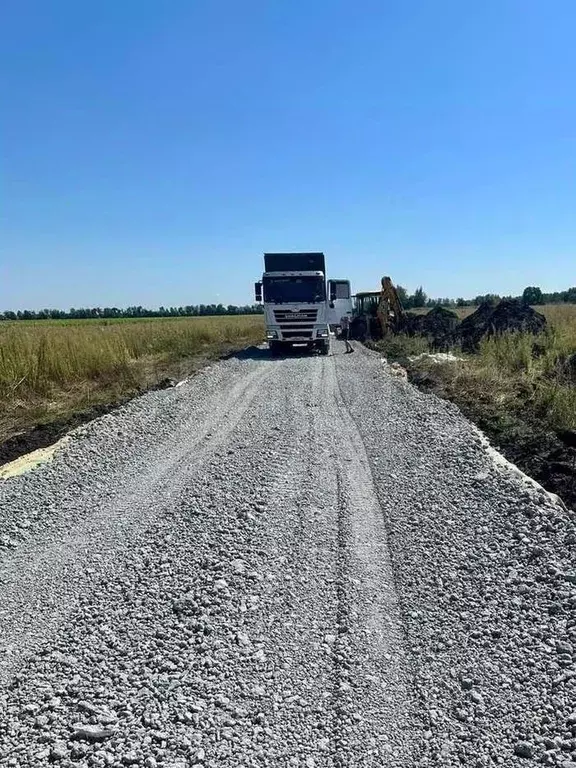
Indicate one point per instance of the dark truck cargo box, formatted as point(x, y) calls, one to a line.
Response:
point(294, 262)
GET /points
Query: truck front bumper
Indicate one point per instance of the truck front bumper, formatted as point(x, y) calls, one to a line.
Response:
point(303, 336)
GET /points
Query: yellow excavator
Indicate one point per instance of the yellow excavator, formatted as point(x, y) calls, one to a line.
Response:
point(378, 313)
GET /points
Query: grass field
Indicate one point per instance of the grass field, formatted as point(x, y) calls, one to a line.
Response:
point(49, 369)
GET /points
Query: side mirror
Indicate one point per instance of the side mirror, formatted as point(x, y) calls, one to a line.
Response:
point(258, 291)
point(332, 292)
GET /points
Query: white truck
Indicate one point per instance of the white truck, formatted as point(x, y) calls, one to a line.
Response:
point(296, 305)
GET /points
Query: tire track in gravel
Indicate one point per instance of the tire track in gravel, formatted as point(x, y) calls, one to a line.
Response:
point(340, 684)
point(40, 580)
point(249, 620)
point(372, 673)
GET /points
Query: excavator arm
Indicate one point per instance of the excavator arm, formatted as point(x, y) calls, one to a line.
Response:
point(390, 310)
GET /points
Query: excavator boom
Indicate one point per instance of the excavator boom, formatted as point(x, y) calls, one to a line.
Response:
point(390, 310)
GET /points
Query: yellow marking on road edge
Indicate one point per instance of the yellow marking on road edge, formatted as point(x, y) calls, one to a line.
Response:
point(31, 461)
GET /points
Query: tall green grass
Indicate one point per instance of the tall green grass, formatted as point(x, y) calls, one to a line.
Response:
point(519, 364)
point(44, 364)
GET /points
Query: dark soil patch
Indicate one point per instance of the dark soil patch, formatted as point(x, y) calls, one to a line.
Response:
point(44, 435)
point(440, 326)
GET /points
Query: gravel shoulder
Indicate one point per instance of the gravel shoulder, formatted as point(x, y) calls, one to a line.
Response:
point(289, 562)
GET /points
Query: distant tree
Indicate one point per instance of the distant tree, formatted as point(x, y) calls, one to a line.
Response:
point(532, 295)
point(491, 298)
point(419, 299)
point(402, 295)
point(461, 302)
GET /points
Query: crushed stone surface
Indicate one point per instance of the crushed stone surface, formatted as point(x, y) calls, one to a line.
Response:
point(285, 562)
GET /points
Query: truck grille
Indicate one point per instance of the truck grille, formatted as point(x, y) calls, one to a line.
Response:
point(307, 316)
point(298, 324)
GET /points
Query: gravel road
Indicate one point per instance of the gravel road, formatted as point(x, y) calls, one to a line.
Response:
point(285, 562)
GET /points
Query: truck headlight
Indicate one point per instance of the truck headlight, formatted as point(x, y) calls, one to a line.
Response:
point(271, 334)
point(322, 334)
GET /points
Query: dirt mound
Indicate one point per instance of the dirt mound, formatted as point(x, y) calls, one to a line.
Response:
point(414, 323)
point(440, 325)
point(513, 315)
point(489, 320)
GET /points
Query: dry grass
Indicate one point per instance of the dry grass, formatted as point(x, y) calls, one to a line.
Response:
point(48, 369)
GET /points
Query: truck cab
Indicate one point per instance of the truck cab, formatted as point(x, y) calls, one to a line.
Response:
point(340, 304)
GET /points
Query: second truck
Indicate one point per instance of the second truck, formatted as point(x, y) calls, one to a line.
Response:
point(297, 300)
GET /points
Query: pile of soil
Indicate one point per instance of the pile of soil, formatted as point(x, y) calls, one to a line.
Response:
point(440, 325)
point(473, 327)
point(490, 320)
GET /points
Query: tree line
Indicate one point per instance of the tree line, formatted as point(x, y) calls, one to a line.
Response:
point(531, 295)
point(86, 313)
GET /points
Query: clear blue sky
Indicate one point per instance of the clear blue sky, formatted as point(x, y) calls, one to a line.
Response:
point(152, 150)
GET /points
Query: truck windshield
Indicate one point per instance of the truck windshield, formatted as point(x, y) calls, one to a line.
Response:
point(305, 290)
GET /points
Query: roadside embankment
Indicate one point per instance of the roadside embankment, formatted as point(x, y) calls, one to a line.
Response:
point(519, 388)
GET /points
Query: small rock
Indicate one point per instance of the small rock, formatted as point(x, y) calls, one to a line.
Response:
point(562, 647)
point(524, 749)
point(92, 733)
point(59, 751)
point(41, 721)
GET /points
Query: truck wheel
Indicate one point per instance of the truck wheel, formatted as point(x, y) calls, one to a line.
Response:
point(325, 348)
point(275, 348)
